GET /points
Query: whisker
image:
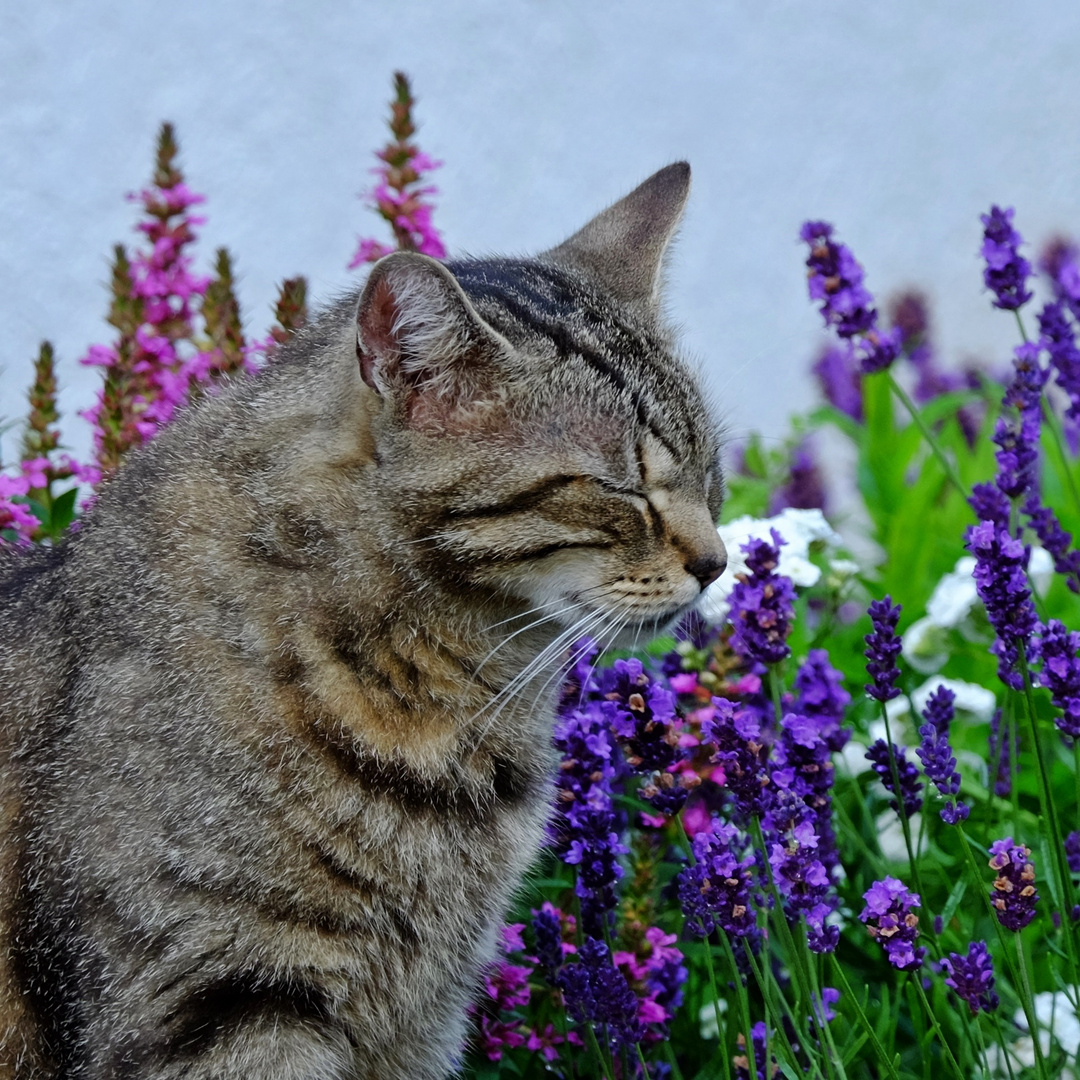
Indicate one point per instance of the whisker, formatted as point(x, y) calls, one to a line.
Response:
point(513, 689)
point(510, 637)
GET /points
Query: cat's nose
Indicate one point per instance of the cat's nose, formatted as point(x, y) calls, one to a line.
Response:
point(707, 568)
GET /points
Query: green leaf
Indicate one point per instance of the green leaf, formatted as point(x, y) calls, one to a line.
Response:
point(63, 512)
point(955, 896)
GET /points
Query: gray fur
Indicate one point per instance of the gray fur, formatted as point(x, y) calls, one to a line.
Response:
point(276, 723)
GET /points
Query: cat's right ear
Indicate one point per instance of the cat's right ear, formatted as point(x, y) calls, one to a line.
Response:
point(624, 246)
point(417, 335)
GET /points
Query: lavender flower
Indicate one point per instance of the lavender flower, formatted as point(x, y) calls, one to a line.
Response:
point(1060, 674)
point(805, 486)
point(1013, 894)
point(990, 504)
point(803, 882)
point(883, 646)
point(804, 768)
point(547, 934)
point(1055, 539)
point(823, 1006)
point(890, 918)
point(597, 992)
point(1000, 754)
point(1072, 851)
point(1006, 270)
point(1002, 586)
point(584, 831)
point(715, 890)
point(1059, 260)
point(972, 977)
point(910, 785)
point(1017, 437)
point(820, 693)
point(1060, 343)
point(762, 603)
point(740, 748)
point(759, 1044)
point(840, 380)
point(836, 279)
point(936, 754)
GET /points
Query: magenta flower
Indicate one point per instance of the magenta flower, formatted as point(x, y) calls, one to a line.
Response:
point(15, 519)
point(401, 195)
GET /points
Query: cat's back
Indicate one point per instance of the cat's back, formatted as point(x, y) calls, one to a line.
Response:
point(38, 647)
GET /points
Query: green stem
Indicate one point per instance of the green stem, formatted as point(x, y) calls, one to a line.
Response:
point(641, 1059)
point(1001, 1043)
point(594, 1045)
point(721, 1027)
point(819, 1020)
point(901, 809)
point(669, 1053)
point(927, 434)
point(1028, 996)
point(917, 980)
point(871, 1034)
point(744, 998)
point(1060, 867)
point(776, 1003)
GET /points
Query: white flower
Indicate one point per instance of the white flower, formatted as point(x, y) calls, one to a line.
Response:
point(890, 834)
point(800, 528)
point(707, 1019)
point(970, 698)
point(1041, 569)
point(954, 595)
point(1055, 1017)
point(925, 646)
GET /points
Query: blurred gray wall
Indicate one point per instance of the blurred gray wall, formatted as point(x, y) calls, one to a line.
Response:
point(900, 122)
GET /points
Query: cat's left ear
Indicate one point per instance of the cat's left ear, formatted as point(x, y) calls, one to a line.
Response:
point(624, 246)
point(417, 335)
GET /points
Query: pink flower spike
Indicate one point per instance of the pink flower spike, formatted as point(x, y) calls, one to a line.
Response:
point(15, 517)
point(34, 471)
point(512, 939)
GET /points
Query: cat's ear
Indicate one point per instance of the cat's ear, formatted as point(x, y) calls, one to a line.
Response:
point(417, 334)
point(624, 246)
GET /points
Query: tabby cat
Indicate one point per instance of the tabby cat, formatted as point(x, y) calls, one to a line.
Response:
point(276, 723)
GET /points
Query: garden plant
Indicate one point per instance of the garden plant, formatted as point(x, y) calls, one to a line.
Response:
point(828, 828)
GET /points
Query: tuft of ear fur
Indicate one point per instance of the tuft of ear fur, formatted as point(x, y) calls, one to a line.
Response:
point(417, 333)
point(623, 247)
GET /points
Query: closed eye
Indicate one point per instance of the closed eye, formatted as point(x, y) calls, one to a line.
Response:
point(618, 489)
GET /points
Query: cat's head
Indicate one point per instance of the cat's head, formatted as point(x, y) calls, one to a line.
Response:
point(544, 441)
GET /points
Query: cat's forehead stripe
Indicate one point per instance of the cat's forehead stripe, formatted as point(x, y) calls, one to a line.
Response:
point(543, 300)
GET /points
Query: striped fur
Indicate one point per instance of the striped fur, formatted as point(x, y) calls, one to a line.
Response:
point(276, 733)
